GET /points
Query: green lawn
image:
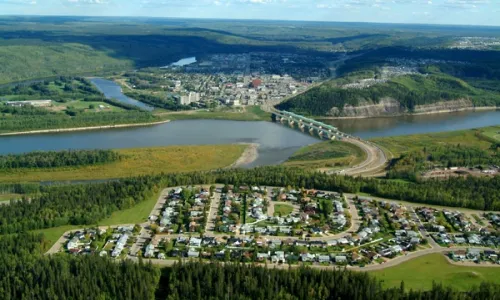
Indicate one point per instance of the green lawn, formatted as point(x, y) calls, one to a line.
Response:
point(134, 215)
point(282, 209)
point(420, 273)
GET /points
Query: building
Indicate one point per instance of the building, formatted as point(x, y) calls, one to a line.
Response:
point(34, 103)
point(192, 97)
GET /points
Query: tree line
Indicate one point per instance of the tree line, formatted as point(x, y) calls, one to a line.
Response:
point(55, 159)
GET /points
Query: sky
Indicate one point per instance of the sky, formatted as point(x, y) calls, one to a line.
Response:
point(464, 12)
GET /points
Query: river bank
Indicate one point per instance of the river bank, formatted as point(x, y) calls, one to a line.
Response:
point(445, 111)
point(247, 157)
point(83, 128)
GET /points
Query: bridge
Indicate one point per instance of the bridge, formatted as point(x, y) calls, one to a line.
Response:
point(375, 158)
point(320, 129)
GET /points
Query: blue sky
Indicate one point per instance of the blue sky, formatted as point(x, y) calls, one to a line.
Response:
point(470, 12)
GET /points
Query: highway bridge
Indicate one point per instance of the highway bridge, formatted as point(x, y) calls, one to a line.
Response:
point(320, 129)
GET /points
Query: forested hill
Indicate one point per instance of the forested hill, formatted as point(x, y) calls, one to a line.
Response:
point(397, 95)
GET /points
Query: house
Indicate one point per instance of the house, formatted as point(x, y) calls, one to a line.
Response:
point(396, 249)
point(150, 250)
point(474, 239)
point(73, 243)
point(473, 254)
point(340, 259)
point(458, 255)
point(161, 256)
point(278, 257)
point(193, 254)
point(120, 245)
point(331, 243)
point(195, 242)
point(460, 240)
point(305, 257)
point(324, 259)
point(263, 256)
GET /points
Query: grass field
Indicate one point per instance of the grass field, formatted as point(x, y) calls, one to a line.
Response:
point(282, 210)
point(327, 154)
point(140, 161)
point(491, 132)
point(401, 144)
point(250, 113)
point(7, 197)
point(419, 273)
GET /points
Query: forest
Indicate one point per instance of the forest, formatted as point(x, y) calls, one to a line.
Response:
point(28, 274)
point(242, 281)
point(55, 159)
point(59, 89)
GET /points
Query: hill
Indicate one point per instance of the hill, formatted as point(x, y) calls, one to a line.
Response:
point(350, 96)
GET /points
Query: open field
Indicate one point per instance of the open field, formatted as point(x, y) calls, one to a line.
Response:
point(327, 154)
point(282, 210)
point(419, 274)
point(401, 144)
point(7, 197)
point(140, 161)
point(491, 132)
point(251, 113)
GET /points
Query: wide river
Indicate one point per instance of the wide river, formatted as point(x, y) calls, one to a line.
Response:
point(277, 142)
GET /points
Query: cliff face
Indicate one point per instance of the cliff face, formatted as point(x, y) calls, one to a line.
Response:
point(392, 107)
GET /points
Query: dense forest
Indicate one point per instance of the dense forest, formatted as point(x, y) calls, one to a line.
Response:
point(409, 165)
point(55, 159)
point(61, 89)
point(241, 281)
point(28, 274)
point(74, 204)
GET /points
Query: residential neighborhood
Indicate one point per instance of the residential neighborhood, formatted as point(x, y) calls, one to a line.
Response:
point(287, 225)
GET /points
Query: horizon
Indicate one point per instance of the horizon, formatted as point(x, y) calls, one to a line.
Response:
point(414, 12)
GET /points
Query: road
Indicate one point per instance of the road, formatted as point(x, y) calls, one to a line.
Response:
point(375, 161)
point(212, 213)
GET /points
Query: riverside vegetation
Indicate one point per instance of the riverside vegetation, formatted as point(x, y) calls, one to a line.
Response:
point(111, 164)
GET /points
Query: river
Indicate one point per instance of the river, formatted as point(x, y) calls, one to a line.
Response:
point(405, 125)
point(113, 91)
point(277, 142)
